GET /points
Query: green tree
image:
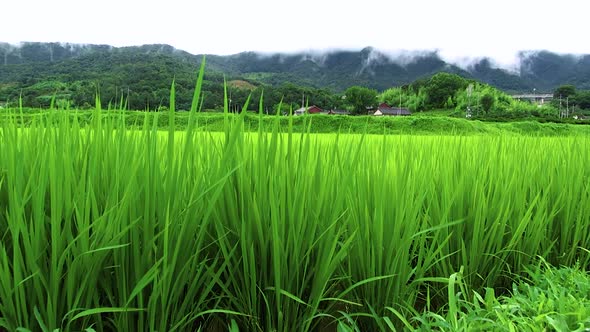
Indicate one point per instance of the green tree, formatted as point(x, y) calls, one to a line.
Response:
point(564, 91)
point(582, 100)
point(487, 102)
point(359, 98)
point(442, 86)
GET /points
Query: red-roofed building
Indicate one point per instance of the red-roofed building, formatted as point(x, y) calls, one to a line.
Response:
point(310, 110)
point(385, 109)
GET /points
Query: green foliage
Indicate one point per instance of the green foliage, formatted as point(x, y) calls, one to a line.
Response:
point(487, 102)
point(441, 86)
point(564, 91)
point(554, 299)
point(567, 96)
point(449, 103)
point(359, 98)
point(582, 100)
point(414, 100)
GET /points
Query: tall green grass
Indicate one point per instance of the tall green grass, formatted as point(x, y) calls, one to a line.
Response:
point(110, 229)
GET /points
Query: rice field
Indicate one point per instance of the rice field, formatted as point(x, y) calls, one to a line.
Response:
point(109, 229)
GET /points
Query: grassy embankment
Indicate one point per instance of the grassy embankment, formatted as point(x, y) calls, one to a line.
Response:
point(421, 124)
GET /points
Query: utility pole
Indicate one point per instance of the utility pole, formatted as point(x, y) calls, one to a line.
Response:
point(399, 109)
point(303, 102)
point(560, 111)
point(469, 91)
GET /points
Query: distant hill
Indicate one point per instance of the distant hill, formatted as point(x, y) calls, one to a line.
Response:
point(76, 72)
point(335, 70)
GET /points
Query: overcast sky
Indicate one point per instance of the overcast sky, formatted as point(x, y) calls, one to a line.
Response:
point(457, 28)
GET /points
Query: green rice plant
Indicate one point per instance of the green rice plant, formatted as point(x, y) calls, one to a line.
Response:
point(95, 235)
point(285, 257)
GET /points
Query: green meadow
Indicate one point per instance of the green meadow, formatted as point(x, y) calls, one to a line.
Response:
point(112, 225)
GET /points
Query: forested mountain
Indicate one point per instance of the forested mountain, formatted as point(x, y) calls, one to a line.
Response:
point(145, 72)
point(77, 72)
point(337, 70)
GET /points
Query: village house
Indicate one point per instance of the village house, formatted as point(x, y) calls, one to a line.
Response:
point(310, 110)
point(385, 109)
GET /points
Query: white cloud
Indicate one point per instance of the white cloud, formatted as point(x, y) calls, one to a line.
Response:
point(458, 28)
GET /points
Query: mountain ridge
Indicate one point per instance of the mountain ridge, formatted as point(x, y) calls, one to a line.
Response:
point(335, 69)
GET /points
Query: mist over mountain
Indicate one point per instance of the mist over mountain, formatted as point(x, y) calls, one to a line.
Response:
point(333, 69)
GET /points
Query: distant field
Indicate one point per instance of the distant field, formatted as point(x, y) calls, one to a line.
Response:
point(122, 223)
point(427, 123)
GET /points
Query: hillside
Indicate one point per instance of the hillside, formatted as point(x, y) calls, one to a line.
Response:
point(41, 71)
point(146, 71)
point(338, 70)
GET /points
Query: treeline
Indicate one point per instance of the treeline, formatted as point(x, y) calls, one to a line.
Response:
point(467, 97)
point(569, 97)
point(446, 91)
